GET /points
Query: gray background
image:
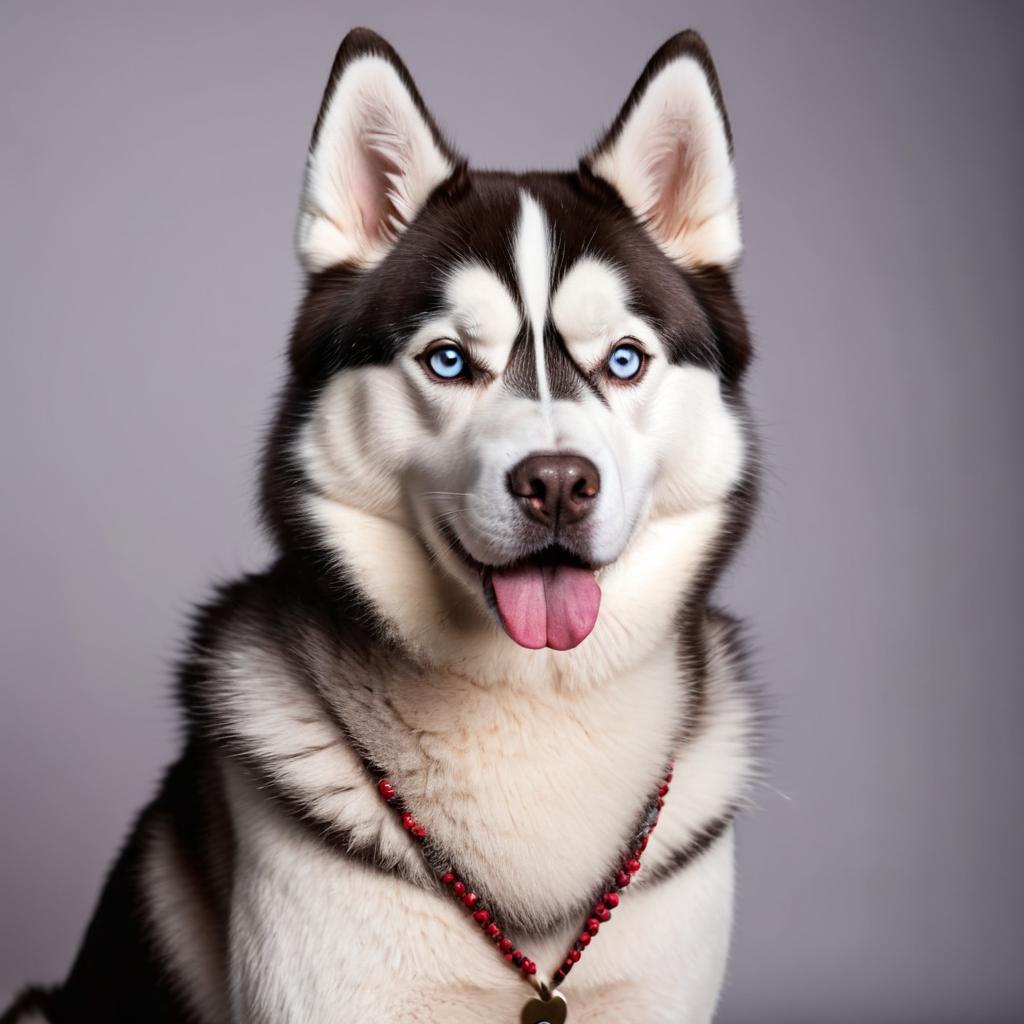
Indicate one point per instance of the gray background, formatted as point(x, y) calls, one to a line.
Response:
point(150, 163)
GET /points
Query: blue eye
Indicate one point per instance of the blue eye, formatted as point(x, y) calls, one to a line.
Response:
point(625, 362)
point(447, 362)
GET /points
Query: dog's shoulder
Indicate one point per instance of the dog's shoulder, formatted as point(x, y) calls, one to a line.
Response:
point(256, 686)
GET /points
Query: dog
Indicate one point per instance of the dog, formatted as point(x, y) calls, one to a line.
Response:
point(426, 748)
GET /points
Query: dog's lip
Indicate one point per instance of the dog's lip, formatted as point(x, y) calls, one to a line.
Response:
point(549, 554)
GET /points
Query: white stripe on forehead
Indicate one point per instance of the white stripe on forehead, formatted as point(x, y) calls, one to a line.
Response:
point(533, 270)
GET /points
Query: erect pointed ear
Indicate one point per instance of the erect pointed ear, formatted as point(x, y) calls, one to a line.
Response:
point(375, 157)
point(669, 155)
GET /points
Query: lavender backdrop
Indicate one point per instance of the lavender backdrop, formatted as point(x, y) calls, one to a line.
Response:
point(150, 158)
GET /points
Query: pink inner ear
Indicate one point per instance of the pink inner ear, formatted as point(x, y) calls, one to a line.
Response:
point(371, 187)
point(672, 169)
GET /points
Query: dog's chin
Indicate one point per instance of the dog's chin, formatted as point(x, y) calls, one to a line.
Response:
point(548, 598)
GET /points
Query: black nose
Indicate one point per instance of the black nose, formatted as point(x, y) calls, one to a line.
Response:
point(556, 490)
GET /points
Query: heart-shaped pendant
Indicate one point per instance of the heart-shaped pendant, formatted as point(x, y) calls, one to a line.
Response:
point(545, 1011)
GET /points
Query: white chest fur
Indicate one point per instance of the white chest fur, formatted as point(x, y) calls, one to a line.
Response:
point(536, 791)
point(317, 938)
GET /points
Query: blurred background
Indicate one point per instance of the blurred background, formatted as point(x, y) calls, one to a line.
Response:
point(150, 162)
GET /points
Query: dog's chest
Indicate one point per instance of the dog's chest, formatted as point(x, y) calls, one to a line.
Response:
point(316, 937)
point(532, 795)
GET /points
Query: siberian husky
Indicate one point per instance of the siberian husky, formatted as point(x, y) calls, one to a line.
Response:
point(510, 461)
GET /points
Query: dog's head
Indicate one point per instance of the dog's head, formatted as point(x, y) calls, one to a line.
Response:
point(514, 399)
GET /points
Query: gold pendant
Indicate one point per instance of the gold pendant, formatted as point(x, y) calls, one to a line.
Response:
point(552, 1010)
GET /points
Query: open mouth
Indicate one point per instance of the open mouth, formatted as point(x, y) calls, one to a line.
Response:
point(549, 599)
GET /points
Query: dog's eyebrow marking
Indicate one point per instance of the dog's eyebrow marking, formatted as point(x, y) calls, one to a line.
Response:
point(483, 309)
point(533, 270)
point(590, 309)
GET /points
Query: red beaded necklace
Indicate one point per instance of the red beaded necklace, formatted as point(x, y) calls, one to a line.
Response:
point(550, 1007)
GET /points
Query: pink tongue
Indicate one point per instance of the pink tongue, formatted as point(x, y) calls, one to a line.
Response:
point(551, 606)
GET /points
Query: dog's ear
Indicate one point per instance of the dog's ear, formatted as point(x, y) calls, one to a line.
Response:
point(669, 156)
point(375, 158)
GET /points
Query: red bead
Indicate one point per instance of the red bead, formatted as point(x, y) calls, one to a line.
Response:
point(611, 900)
point(505, 945)
point(386, 789)
point(633, 866)
point(661, 803)
point(643, 842)
point(668, 778)
point(508, 957)
point(493, 931)
point(459, 888)
point(481, 917)
point(418, 831)
point(529, 967)
point(574, 955)
point(584, 939)
point(593, 925)
point(448, 877)
point(663, 789)
point(470, 899)
point(408, 821)
point(517, 957)
point(622, 879)
point(602, 913)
